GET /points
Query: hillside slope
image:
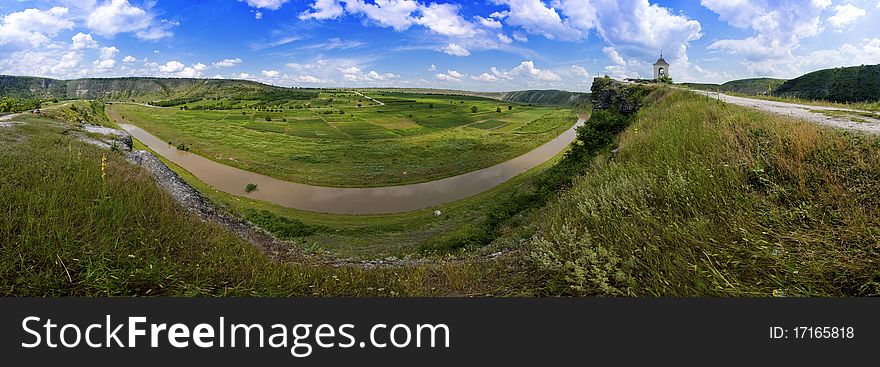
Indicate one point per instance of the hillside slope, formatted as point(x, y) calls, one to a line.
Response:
point(710, 199)
point(138, 89)
point(849, 84)
point(755, 86)
point(542, 97)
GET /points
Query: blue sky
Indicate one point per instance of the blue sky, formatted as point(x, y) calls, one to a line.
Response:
point(477, 45)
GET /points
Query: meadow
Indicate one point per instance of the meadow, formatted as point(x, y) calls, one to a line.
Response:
point(342, 138)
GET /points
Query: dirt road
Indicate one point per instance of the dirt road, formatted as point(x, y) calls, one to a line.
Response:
point(854, 119)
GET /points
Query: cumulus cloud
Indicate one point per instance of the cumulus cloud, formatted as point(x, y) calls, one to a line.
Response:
point(119, 16)
point(444, 19)
point(504, 38)
point(266, 4)
point(455, 50)
point(172, 67)
point(83, 40)
point(323, 9)
point(354, 74)
point(525, 69)
point(450, 76)
point(580, 71)
point(535, 17)
point(778, 26)
point(129, 59)
point(53, 63)
point(33, 27)
point(845, 15)
point(270, 73)
point(227, 63)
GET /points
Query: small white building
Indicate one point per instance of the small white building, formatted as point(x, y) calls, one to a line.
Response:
point(661, 67)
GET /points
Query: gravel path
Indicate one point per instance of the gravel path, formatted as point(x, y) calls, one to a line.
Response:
point(871, 125)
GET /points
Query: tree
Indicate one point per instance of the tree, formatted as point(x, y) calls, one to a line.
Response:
point(510, 108)
point(7, 104)
point(498, 110)
point(430, 105)
point(474, 109)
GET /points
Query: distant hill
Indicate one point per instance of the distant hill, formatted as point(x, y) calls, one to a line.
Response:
point(143, 89)
point(754, 86)
point(535, 97)
point(541, 97)
point(849, 84)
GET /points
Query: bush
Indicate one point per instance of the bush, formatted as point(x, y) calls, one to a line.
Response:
point(250, 187)
point(279, 226)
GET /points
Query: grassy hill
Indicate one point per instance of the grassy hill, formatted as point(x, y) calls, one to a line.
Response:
point(144, 89)
point(849, 84)
point(755, 86)
point(706, 198)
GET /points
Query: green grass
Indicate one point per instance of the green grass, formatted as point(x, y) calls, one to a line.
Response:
point(712, 199)
point(70, 233)
point(406, 141)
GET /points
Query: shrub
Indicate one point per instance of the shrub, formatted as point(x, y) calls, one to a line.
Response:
point(250, 187)
point(282, 227)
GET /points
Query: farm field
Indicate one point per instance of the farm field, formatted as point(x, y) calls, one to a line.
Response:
point(331, 141)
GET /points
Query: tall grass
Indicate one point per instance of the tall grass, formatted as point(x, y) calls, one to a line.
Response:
point(706, 198)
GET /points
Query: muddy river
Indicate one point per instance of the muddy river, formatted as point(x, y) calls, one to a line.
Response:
point(378, 200)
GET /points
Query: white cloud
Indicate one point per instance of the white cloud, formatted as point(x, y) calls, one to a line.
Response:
point(444, 19)
point(485, 77)
point(535, 17)
point(227, 63)
point(504, 38)
point(489, 22)
point(432, 68)
point(199, 67)
point(108, 53)
point(323, 9)
point(455, 50)
point(51, 63)
point(580, 71)
point(118, 16)
point(258, 15)
point(450, 76)
point(129, 59)
point(778, 26)
point(613, 55)
point(519, 37)
point(308, 79)
point(83, 40)
point(845, 16)
point(525, 69)
point(270, 73)
point(158, 30)
point(266, 4)
point(33, 27)
point(528, 68)
point(172, 67)
point(396, 14)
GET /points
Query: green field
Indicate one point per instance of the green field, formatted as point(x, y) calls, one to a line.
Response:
point(330, 141)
